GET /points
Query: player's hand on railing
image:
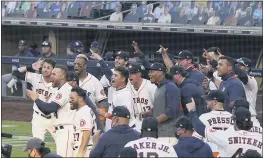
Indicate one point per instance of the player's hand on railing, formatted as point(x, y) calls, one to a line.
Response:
point(95, 56)
point(162, 50)
point(37, 65)
point(32, 95)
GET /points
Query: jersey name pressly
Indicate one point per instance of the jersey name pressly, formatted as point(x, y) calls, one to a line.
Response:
point(84, 120)
point(43, 88)
point(152, 147)
point(143, 97)
point(61, 97)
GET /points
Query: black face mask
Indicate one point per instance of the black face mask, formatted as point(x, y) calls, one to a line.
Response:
point(177, 136)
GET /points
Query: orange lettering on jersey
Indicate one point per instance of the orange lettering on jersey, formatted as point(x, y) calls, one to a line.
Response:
point(82, 123)
point(59, 96)
point(212, 130)
point(216, 154)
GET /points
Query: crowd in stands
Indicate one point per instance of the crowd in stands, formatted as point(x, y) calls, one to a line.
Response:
point(246, 13)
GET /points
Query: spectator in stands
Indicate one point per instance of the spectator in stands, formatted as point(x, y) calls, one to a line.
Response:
point(32, 12)
point(55, 8)
point(201, 17)
point(181, 18)
point(11, 6)
point(76, 48)
point(165, 17)
point(33, 49)
point(149, 16)
point(214, 19)
point(241, 12)
point(112, 5)
point(63, 14)
point(85, 11)
point(47, 51)
point(191, 11)
point(247, 20)
point(22, 46)
point(132, 16)
point(25, 6)
point(257, 15)
point(224, 11)
point(43, 10)
point(117, 15)
point(169, 4)
point(231, 20)
point(142, 9)
point(209, 10)
point(158, 11)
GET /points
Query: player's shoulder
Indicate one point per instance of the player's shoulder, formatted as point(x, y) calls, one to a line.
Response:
point(85, 110)
point(93, 78)
point(66, 88)
point(149, 84)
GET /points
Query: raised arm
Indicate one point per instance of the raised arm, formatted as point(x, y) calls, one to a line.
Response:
point(167, 61)
point(141, 56)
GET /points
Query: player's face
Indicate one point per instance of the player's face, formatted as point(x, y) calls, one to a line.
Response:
point(184, 62)
point(242, 67)
point(32, 152)
point(176, 78)
point(47, 69)
point(21, 48)
point(154, 76)
point(117, 79)
point(222, 67)
point(56, 76)
point(46, 49)
point(210, 103)
point(119, 61)
point(134, 77)
point(73, 100)
point(79, 66)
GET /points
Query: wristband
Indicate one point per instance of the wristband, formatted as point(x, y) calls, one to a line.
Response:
point(30, 68)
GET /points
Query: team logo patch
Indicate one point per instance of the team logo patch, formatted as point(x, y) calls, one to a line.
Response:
point(212, 130)
point(102, 92)
point(82, 123)
point(59, 96)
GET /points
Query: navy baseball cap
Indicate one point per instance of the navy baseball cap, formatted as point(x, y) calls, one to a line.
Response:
point(184, 54)
point(46, 44)
point(108, 56)
point(150, 124)
point(95, 44)
point(158, 67)
point(244, 61)
point(242, 114)
point(122, 55)
point(134, 68)
point(217, 95)
point(33, 45)
point(34, 143)
point(241, 103)
point(184, 122)
point(22, 42)
point(213, 49)
point(78, 44)
point(177, 70)
point(121, 111)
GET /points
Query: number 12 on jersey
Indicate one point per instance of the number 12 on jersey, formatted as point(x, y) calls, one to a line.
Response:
point(148, 155)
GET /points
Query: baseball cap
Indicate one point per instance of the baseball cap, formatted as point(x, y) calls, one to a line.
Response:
point(244, 61)
point(95, 44)
point(122, 55)
point(22, 42)
point(213, 49)
point(34, 143)
point(33, 45)
point(134, 68)
point(215, 95)
point(78, 44)
point(149, 124)
point(177, 70)
point(121, 111)
point(158, 67)
point(46, 44)
point(108, 56)
point(241, 103)
point(184, 54)
point(184, 122)
point(242, 114)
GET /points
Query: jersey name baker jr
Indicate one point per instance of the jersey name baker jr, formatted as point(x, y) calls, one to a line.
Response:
point(151, 145)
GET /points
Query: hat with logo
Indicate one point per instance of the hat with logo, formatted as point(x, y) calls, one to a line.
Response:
point(177, 70)
point(158, 67)
point(121, 111)
point(78, 44)
point(46, 44)
point(241, 103)
point(95, 44)
point(217, 95)
point(22, 42)
point(184, 54)
point(150, 124)
point(214, 49)
point(34, 143)
point(244, 61)
point(134, 68)
point(122, 55)
point(184, 122)
point(242, 114)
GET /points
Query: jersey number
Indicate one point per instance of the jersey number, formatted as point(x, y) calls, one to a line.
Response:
point(220, 128)
point(238, 153)
point(146, 108)
point(76, 136)
point(149, 155)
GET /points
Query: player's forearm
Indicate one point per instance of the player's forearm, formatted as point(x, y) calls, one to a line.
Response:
point(197, 123)
point(162, 118)
point(84, 141)
point(167, 61)
point(22, 69)
point(19, 75)
point(105, 69)
point(47, 108)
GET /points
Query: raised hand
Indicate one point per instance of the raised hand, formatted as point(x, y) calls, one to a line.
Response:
point(136, 47)
point(32, 95)
point(95, 56)
point(162, 50)
point(37, 65)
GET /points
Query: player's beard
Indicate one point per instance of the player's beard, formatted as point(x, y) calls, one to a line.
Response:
point(74, 106)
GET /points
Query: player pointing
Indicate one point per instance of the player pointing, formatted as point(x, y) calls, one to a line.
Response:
point(149, 145)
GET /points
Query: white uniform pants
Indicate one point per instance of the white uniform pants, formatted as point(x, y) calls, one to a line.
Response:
point(64, 139)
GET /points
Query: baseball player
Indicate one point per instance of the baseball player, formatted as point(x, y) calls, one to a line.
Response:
point(149, 145)
point(84, 123)
point(142, 91)
point(218, 118)
point(59, 103)
point(41, 123)
point(230, 143)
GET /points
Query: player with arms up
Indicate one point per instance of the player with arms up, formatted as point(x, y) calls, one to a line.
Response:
point(59, 103)
point(84, 122)
point(234, 143)
point(149, 145)
point(42, 85)
point(142, 91)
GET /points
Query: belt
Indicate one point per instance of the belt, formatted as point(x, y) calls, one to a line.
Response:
point(59, 127)
point(47, 117)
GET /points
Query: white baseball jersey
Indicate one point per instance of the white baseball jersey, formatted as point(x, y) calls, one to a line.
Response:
point(218, 120)
point(234, 143)
point(93, 87)
point(251, 90)
point(152, 147)
point(61, 97)
point(43, 88)
point(84, 120)
point(256, 128)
